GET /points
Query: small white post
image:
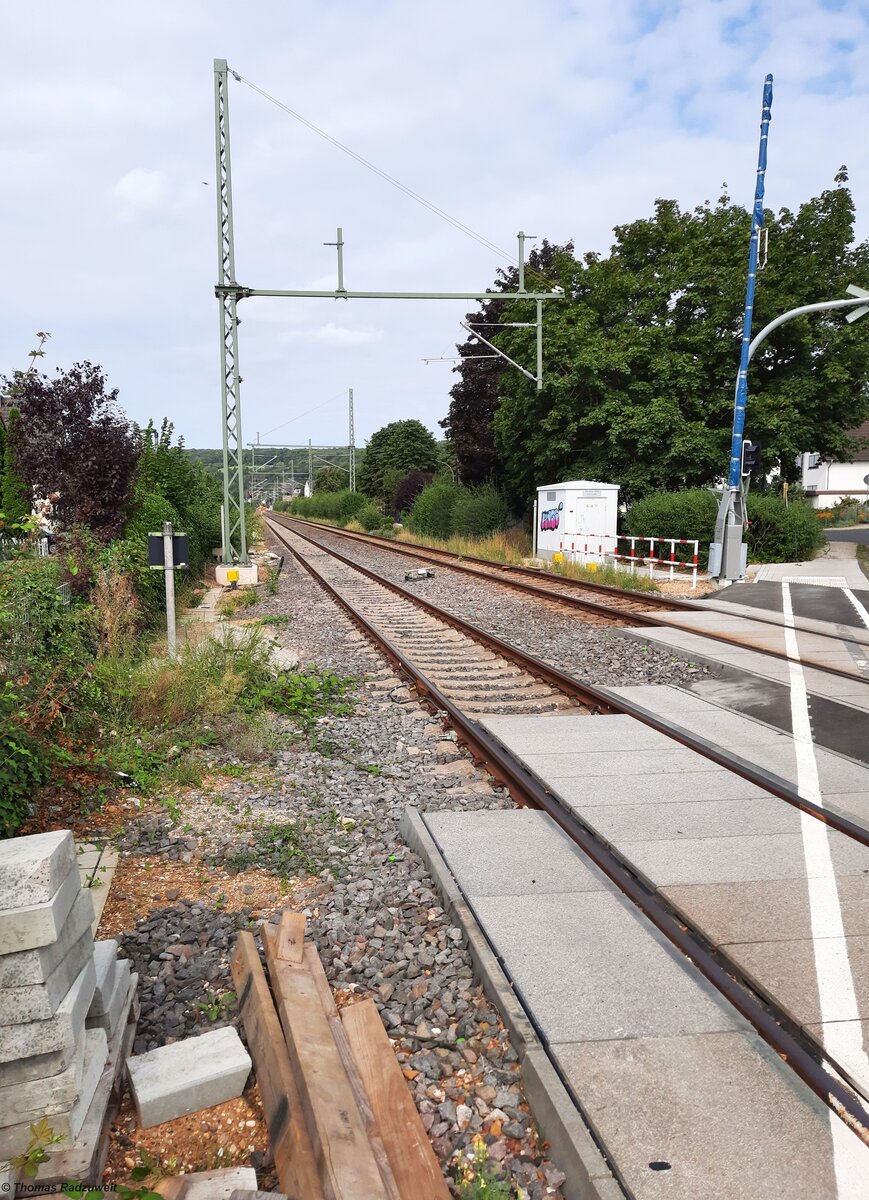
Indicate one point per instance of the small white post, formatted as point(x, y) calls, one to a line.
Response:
point(534, 532)
point(169, 576)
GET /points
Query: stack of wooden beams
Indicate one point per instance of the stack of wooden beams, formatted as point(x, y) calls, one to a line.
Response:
point(342, 1122)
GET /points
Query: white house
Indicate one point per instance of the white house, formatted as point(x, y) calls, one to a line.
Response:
point(827, 481)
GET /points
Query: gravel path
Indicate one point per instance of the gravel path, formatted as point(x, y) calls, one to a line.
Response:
point(590, 651)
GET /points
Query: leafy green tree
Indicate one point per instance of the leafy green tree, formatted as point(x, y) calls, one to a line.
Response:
point(15, 498)
point(640, 357)
point(330, 479)
point(391, 452)
point(74, 440)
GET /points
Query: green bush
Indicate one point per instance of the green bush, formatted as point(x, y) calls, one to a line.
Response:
point(329, 506)
point(689, 514)
point(775, 533)
point(779, 534)
point(432, 511)
point(477, 512)
point(23, 765)
point(370, 517)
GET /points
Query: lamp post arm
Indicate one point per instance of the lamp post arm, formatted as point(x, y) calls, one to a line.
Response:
point(800, 312)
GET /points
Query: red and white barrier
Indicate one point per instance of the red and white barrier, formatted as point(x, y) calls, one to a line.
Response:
point(586, 548)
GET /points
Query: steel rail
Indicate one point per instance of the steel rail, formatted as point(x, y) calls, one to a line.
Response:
point(556, 596)
point(772, 1026)
point(602, 700)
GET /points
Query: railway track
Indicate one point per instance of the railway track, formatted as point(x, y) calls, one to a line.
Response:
point(619, 608)
point(440, 655)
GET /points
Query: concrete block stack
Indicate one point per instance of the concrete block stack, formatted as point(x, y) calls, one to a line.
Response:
point(62, 997)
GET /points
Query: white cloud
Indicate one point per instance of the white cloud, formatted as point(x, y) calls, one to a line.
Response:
point(141, 193)
point(563, 122)
point(331, 334)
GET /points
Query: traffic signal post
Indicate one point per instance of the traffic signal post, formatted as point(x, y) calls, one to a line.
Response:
point(727, 554)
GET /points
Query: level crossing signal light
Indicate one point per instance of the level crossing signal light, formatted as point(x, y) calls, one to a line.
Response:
point(751, 452)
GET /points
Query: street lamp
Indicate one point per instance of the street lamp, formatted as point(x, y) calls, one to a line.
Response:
point(726, 556)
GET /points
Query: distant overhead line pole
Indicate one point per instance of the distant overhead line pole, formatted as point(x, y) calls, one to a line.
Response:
point(229, 292)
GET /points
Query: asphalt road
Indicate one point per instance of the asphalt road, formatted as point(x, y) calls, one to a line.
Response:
point(858, 534)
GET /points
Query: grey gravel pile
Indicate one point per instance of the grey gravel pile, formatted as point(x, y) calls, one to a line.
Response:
point(560, 637)
point(182, 956)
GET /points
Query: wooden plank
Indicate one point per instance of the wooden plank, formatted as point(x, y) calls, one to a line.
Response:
point(291, 936)
point(348, 1168)
point(413, 1162)
point(312, 965)
point(295, 1162)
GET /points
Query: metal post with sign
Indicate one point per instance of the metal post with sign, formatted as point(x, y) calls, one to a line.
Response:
point(169, 552)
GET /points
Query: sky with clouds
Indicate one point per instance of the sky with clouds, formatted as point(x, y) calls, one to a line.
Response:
point(561, 117)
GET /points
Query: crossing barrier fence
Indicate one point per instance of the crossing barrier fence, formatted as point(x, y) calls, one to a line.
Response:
point(586, 548)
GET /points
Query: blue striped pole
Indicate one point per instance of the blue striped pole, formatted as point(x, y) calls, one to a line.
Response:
point(734, 477)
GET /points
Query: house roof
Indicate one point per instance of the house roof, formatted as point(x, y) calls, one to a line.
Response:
point(862, 431)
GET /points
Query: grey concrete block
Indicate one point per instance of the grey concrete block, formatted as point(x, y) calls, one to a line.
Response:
point(108, 1020)
point(32, 868)
point(106, 966)
point(34, 966)
point(511, 852)
point(652, 789)
point(186, 1076)
point(548, 767)
point(59, 1032)
point(40, 924)
point(38, 1066)
point(43, 1097)
point(38, 1001)
point(14, 1139)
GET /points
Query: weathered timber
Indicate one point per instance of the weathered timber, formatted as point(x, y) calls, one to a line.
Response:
point(295, 1162)
point(313, 967)
point(291, 936)
point(396, 1119)
point(346, 1161)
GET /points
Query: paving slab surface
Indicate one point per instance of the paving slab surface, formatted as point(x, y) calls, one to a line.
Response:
point(664, 1070)
point(33, 867)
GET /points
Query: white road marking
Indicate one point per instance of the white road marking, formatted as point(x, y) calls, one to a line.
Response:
point(861, 609)
point(840, 1013)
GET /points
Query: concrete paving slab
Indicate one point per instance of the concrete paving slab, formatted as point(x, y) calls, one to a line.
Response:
point(788, 969)
point(59, 1032)
point(850, 804)
point(691, 819)
point(38, 1001)
point(570, 733)
point(189, 1075)
point(106, 966)
point(34, 966)
point(511, 852)
point(14, 1139)
point(590, 968)
point(694, 712)
point(35, 925)
point(33, 867)
point(654, 789)
point(626, 762)
point(109, 1018)
point(737, 859)
point(763, 910)
point(43, 1097)
point(727, 1117)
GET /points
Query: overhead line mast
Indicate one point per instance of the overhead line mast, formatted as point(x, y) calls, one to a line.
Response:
point(234, 534)
point(229, 292)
